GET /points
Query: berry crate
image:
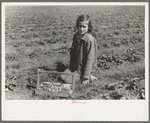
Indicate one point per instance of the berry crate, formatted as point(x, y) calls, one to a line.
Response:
point(55, 89)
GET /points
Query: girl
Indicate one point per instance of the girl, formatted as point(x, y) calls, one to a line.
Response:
point(83, 51)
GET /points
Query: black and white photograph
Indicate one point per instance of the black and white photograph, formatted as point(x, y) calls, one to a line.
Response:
point(76, 53)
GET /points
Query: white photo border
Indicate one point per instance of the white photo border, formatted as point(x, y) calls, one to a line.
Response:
point(50, 110)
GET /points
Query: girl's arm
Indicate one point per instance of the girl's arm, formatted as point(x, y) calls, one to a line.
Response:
point(88, 60)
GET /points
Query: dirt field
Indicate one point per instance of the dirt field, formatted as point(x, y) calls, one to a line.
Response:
point(40, 38)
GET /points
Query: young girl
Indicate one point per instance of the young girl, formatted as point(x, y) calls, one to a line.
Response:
point(83, 51)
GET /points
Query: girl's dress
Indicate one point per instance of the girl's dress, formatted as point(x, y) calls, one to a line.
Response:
point(83, 55)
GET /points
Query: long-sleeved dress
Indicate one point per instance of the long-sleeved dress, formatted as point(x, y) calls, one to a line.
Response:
point(83, 55)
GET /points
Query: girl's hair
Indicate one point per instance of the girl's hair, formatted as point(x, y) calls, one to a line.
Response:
point(83, 18)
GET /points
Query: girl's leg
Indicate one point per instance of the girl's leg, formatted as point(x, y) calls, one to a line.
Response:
point(87, 82)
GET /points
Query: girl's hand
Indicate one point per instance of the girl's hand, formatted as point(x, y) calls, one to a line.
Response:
point(84, 82)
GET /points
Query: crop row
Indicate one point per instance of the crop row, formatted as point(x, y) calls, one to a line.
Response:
point(105, 61)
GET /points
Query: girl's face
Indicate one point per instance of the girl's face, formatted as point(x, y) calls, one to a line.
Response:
point(83, 27)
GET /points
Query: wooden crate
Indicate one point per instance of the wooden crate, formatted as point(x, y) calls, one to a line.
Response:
point(52, 93)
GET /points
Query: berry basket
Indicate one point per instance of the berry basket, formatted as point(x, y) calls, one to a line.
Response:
point(55, 89)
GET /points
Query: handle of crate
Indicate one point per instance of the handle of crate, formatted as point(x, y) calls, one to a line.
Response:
point(73, 77)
